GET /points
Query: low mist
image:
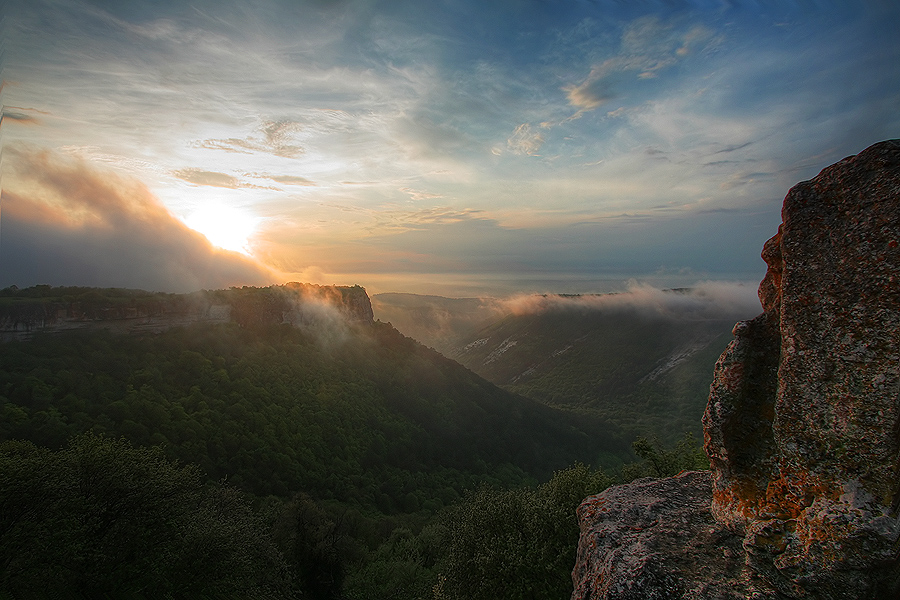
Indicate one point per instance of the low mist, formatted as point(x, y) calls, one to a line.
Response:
point(441, 322)
point(705, 300)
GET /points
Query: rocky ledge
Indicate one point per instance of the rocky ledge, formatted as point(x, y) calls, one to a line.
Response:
point(802, 427)
point(47, 309)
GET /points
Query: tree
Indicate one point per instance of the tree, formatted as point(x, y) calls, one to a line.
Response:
point(659, 462)
point(516, 544)
point(316, 546)
point(104, 519)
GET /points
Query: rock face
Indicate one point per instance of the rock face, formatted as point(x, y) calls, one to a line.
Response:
point(657, 539)
point(47, 309)
point(805, 459)
point(802, 427)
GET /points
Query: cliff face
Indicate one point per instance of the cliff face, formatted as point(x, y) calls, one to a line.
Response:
point(814, 491)
point(802, 426)
point(24, 312)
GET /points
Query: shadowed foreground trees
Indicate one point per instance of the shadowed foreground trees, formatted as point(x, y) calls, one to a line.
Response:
point(516, 544)
point(104, 519)
point(101, 518)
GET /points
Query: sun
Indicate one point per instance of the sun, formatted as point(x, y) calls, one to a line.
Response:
point(226, 227)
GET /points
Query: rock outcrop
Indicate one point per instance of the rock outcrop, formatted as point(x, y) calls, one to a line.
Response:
point(656, 538)
point(802, 426)
point(48, 309)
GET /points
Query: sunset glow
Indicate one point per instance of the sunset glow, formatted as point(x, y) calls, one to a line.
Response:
point(467, 147)
point(224, 227)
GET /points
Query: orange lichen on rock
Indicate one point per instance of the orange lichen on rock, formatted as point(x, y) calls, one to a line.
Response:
point(816, 376)
point(802, 425)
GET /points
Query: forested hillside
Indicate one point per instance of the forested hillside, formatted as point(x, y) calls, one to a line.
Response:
point(349, 444)
point(359, 417)
point(640, 360)
point(326, 456)
point(648, 375)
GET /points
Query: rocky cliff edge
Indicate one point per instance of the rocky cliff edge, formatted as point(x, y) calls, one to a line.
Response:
point(47, 309)
point(802, 426)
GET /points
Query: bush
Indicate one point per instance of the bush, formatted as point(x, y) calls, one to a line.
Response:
point(516, 543)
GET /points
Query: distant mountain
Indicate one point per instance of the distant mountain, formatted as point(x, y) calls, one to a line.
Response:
point(44, 308)
point(641, 360)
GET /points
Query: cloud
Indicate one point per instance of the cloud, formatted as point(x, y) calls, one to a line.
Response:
point(596, 89)
point(276, 138)
point(419, 195)
point(442, 215)
point(432, 219)
point(292, 180)
point(23, 116)
point(525, 141)
point(648, 46)
point(215, 179)
point(211, 178)
point(704, 300)
point(65, 222)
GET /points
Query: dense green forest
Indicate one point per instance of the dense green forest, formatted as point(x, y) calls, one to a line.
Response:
point(276, 408)
point(272, 461)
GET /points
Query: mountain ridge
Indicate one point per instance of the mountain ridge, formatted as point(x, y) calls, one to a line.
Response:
point(45, 308)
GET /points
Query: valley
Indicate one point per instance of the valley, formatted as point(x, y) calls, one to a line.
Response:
point(641, 361)
point(356, 448)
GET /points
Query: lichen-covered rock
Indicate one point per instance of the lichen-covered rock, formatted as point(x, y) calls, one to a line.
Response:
point(803, 420)
point(802, 427)
point(656, 540)
point(738, 421)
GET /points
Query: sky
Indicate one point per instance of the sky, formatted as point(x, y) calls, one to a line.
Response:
point(459, 147)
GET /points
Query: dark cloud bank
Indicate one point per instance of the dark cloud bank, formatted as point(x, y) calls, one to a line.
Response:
point(64, 222)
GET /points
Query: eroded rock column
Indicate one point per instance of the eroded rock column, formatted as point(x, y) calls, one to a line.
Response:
point(802, 426)
point(806, 465)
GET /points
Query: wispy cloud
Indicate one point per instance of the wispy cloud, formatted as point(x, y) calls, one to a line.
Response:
point(596, 90)
point(214, 179)
point(292, 180)
point(275, 137)
point(419, 194)
point(440, 215)
point(22, 116)
point(524, 140)
point(211, 178)
point(647, 47)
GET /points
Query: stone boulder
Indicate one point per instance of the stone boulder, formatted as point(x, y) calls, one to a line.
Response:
point(802, 426)
point(656, 539)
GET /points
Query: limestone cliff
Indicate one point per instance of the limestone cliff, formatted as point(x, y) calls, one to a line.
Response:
point(802, 426)
point(48, 309)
